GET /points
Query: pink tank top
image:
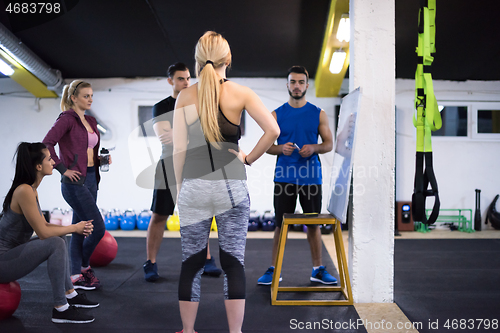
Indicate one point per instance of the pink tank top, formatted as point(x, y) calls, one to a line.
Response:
point(92, 139)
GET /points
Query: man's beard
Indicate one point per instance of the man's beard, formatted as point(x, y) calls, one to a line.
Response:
point(297, 96)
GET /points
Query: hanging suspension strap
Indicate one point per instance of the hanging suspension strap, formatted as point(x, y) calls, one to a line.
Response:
point(427, 116)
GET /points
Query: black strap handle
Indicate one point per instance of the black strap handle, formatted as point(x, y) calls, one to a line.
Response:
point(424, 177)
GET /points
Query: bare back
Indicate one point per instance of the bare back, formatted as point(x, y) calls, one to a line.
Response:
point(232, 101)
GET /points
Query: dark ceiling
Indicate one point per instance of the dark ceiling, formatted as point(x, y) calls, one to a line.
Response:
point(140, 38)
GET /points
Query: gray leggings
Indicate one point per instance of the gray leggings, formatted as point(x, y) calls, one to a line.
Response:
point(199, 201)
point(23, 259)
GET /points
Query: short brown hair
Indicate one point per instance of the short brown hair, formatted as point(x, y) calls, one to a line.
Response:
point(298, 70)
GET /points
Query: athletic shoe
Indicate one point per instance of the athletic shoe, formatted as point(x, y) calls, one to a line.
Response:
point(211, 268)
point(150, 271)
point(81, 301)
point(322, 276)
point(267, 278)
point(82, 283)
point(71, 316)
point(89, 276)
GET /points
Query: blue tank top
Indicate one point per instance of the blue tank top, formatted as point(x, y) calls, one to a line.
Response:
point(299, 126)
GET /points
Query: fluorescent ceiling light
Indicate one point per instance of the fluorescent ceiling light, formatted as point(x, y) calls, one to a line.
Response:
point(5, 68)
point(101, 129)
point(344, 29)
point(337, 62)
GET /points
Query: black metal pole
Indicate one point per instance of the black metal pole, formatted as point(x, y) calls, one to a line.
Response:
point(477, 217)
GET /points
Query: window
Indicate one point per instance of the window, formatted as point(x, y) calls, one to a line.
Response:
point(486, 121)
point(145, 114)
point(454, 121)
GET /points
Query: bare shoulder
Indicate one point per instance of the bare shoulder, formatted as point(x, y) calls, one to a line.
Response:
point(236, 88)
point(187, 95)
point(23, 193)
point(190, 90)
point(24, 190)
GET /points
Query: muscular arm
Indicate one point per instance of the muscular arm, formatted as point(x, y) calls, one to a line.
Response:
point(163, 130)
point(24, 202)
point(325, 133)
point(326, 136)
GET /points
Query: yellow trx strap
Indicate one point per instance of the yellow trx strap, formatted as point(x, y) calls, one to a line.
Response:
point(427, 116)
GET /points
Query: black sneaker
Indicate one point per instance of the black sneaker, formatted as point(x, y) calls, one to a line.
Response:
point(81, 301)
point(71, 316)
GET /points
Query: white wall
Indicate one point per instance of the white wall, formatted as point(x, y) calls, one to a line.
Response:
point(461, 164)
point(115, 103)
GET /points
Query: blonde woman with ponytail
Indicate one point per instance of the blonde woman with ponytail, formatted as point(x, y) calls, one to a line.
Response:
point(211, 177)
point(78, 162)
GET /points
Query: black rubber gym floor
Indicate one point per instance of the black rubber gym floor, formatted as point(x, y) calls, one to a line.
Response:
point(130, 304)
point(439, 281)
point(449, 285)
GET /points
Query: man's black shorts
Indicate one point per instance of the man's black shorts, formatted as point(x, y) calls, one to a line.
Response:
point(285, 199)
point(163, 202)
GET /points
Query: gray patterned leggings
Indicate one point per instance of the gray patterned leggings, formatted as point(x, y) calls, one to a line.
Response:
point(229, 202)
point(23, 259)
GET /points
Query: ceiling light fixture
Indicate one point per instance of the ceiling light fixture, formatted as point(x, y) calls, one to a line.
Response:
point(337, 62)
point(344, 29)
point(5, 68)
point(30, 71)
point(334, 59)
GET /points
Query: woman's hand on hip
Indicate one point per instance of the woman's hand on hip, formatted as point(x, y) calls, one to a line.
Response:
point(73, 175)
point(241, 155)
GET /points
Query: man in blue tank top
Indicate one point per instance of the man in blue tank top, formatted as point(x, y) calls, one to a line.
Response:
point(298, 168)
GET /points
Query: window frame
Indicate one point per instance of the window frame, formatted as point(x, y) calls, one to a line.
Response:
point(474, 113)
point(456, 138)
point(135, 114)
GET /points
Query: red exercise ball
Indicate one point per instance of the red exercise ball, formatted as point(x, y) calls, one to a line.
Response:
point(105, 251)
point(10, 296)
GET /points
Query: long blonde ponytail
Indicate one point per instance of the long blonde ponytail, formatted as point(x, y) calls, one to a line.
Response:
point(212, 51)
point(72, 89)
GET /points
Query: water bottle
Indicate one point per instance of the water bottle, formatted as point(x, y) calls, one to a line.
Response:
point(104, 160)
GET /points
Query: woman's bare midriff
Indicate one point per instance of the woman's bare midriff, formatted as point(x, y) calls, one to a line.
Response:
point(90, 157)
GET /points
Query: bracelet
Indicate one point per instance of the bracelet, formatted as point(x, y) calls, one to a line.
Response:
point(246, 162)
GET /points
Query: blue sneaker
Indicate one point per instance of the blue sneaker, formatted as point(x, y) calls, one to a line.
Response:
point(322, 276)
point(211, 268)
point(267, 278)
point(150, 271)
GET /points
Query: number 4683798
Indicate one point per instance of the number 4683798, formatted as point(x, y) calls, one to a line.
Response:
point(33, 8)
point(471, 324)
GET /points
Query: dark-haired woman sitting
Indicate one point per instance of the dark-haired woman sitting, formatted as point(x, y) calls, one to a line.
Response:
point(20, 253)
